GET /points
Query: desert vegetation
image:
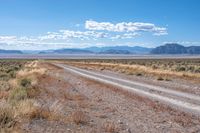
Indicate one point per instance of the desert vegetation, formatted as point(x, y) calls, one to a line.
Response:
point(161, 69)
point(38, 96)
point(17, 92)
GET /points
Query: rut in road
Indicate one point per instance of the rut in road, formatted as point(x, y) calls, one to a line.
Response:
point(180, 100)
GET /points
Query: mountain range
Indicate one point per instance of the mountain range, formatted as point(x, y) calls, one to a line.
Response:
point(174, 48)
point(171, 48)
point(2, 51)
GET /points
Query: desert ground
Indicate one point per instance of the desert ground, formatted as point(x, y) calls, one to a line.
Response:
point(100, 96)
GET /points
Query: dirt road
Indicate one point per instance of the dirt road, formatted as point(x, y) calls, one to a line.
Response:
point(108, 105)
point(184, 101)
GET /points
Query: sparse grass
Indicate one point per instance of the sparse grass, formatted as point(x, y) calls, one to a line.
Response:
point(174, 68)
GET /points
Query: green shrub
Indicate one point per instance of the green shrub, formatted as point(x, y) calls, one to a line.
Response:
point(25, 82)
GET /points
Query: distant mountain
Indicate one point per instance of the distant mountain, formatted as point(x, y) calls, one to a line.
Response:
point(120, 50)
point(66, 51)
point(115, 51)
point(100, 50)
point(10, 51)
point(174, 48)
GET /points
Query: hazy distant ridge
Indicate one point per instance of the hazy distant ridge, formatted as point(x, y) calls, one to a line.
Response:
point(101, 50)
point(10, 51)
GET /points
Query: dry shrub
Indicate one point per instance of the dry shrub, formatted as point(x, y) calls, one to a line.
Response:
point(27, 72)
point(110, 127)
point(18, 94)
point(25, 82)
point(32, 64)
point(79, 117)
point(7, 117)
point(42, 113)
point(33, 92)
point(4, 86)
point(39, 113)
point(25, 107)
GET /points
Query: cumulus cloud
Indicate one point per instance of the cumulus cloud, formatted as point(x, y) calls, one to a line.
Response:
point(94, 33)
point(8, 39)
point(125, 27)
point(69, 34)
point(125, 36)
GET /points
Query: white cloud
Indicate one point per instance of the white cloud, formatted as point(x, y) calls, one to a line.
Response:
point(94, 34)
point(82, 34)
point(69, 34)
point(125, 27)
point(8, 39)
point(186, 43)
point(125, 36)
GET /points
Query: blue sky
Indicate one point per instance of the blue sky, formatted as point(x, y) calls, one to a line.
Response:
point(49, 24)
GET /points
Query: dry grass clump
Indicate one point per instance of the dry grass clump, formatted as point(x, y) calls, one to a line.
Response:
point(110, 127)
point(7, 117)
point(79, 117)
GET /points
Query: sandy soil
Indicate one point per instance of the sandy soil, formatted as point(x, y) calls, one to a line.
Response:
point(104, 108)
